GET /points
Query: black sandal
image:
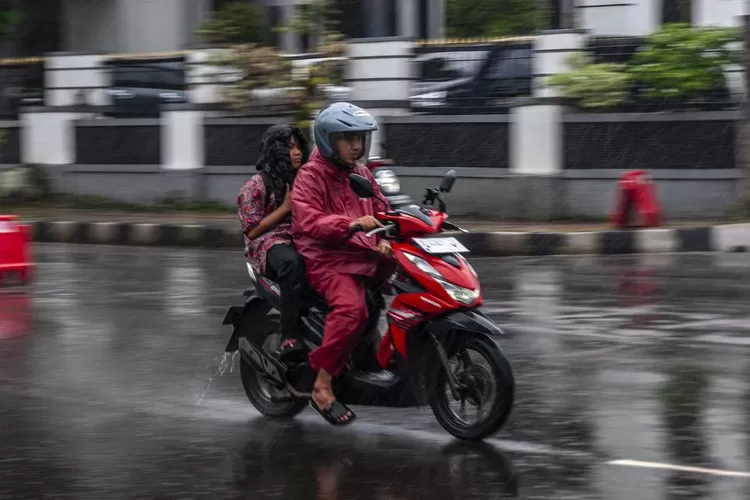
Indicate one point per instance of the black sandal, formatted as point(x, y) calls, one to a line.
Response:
point(334, 413)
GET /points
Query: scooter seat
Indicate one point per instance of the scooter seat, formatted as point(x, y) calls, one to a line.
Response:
point(313, 300)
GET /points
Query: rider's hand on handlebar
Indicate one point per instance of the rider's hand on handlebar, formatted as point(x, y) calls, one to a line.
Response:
point(385, 248)
point(367, 223)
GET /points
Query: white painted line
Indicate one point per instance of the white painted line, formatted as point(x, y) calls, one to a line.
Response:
point(681, 468)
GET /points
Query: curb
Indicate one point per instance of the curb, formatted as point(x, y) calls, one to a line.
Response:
point(725, 238)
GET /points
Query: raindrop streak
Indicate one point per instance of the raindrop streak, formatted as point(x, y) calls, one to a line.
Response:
point(226, 363)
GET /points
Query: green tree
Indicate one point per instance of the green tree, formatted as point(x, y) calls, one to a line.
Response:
point(592, 85)
point(682, 62)
point(235, 23)
point(319, 17)
point(495, 18)
point(10, 18)
point(264, 67)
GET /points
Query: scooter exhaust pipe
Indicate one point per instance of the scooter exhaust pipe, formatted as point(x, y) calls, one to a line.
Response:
point(268, 367)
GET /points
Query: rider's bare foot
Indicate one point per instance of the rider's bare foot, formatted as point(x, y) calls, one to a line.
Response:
point(325, 401)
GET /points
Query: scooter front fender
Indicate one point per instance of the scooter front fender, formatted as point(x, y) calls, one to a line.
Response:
point(466, 321)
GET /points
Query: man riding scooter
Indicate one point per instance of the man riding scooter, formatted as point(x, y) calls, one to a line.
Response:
point(340, 262)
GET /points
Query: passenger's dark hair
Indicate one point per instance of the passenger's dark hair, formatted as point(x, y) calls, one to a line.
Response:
point(274, 158)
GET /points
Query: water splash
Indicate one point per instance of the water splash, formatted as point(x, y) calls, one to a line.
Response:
point(226, 362)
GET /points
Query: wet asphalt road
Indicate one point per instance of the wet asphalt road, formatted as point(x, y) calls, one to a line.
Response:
point(111, 387)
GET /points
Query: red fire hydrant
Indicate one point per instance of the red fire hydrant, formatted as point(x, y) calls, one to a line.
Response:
point(636, 192)
point(15, 248)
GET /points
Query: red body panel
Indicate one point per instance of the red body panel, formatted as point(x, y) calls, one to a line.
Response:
point(410, 310)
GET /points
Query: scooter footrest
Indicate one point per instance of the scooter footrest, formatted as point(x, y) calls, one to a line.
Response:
point(383, 380)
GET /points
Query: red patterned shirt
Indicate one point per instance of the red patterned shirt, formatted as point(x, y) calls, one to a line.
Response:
point(252, 207)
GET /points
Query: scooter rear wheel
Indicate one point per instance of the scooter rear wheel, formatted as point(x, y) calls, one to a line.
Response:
point(490, 387)
point(268, 400)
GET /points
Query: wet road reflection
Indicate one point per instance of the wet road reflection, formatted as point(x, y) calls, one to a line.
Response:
point(112, 385)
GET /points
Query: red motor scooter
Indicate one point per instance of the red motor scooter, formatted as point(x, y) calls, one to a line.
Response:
point(439, 348)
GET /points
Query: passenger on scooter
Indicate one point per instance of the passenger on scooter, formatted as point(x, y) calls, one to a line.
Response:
point(339, 261)
point(264, 208)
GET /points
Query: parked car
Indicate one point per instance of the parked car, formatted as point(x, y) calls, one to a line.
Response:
point(473, 78)
point(141, 88)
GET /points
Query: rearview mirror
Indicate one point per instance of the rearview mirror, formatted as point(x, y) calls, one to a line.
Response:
point(447, 184)
point(361, 186)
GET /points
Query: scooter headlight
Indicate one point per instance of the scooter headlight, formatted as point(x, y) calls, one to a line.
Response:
point(424, 266)
point(388, 182)
point(457, 293)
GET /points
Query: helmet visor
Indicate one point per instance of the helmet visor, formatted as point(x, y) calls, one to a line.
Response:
point(351, 147)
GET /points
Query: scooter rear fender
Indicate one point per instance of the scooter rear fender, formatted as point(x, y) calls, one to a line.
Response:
point(242, 318)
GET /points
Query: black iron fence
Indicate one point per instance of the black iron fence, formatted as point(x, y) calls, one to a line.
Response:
point(21, 83)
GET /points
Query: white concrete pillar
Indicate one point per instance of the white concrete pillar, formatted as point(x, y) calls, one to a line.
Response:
point(380, 73)
point(550, 50)
point(536, 142)
point(66, 75)
point(48, 136)
point(407, 14)
point(182, 133)
point(724, 13)
point(203, 80)
point(634, 18)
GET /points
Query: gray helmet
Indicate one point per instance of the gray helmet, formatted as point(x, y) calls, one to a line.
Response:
point(342, 117)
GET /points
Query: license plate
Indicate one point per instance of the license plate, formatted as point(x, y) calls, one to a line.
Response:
point(440, 245)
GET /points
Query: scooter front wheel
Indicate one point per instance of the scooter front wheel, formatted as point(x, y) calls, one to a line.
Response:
point(485, 384)
point(268, 400)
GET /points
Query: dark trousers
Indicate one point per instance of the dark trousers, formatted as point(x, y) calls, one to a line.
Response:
point(286, 267)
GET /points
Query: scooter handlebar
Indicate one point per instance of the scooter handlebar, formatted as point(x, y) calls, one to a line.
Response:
point(357, 228)
point(380, 230)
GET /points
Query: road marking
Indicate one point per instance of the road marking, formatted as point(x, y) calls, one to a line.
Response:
point(681, 468)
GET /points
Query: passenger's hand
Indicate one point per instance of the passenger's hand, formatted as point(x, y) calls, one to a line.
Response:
point(287, 205)
point(385, 248)
point(367, 223)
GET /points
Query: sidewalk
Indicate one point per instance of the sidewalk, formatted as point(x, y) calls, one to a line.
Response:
point(229, 221)
point(485, 238)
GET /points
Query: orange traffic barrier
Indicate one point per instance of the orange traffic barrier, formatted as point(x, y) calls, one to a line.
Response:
point(15, 248)
point(636, 192)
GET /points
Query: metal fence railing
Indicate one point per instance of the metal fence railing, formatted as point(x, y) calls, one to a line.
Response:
point(21, 83)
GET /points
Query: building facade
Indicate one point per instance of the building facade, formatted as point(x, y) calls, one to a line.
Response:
point(127, 26)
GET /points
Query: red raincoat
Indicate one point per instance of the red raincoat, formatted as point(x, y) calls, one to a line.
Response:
point(323, 207)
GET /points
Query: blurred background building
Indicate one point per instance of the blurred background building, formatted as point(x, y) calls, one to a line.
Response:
point(471, 78)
